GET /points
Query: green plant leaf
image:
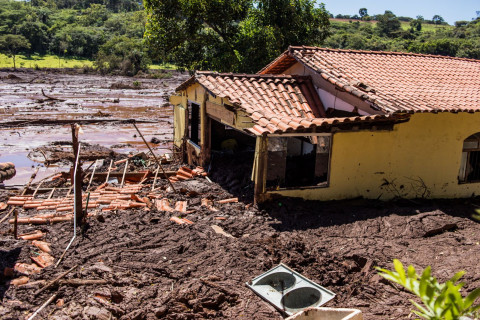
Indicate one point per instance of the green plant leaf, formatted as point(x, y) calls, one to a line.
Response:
point(471, 297)
point(424, 313)
point(457, 276)
point(400, 270)
point(424, 281)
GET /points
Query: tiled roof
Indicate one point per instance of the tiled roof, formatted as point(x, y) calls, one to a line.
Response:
point(393, 82)
point(273, 124)
point(275, 103)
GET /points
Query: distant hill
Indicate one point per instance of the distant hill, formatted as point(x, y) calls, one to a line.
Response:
point(461, 40)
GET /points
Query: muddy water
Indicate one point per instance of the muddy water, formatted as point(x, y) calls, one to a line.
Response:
point(82, 97)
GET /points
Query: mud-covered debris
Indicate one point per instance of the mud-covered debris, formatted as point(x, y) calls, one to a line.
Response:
point(219, 230)
point(155, 140)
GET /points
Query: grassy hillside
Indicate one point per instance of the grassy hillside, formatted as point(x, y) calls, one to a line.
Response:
point(53, 61)
point(45, 61)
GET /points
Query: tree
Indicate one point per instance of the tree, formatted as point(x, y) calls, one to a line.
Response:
point(416, 25)
point(12, 44)
point(122, 54)
point(388, 23)
point(229, 35)
point(437, 19)
point(363, 12)
point(37, 35)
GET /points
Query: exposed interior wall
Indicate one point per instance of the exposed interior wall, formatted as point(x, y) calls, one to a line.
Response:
point(331, 97)
point(419, 158)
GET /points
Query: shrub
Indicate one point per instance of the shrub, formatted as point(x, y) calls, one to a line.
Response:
point(441, 301)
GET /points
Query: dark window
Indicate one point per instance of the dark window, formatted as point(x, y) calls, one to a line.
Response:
point(298, 161)
point(470, 163)
point(194, 123)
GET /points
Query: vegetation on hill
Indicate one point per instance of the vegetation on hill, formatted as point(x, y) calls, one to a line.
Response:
point(77, 28)
point(388, 33)
point(223, 35)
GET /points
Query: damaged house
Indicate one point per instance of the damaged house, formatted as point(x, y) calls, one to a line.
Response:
point(328, 124)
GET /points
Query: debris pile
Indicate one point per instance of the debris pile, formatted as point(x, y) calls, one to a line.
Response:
point(7, 171)
point(185, 173)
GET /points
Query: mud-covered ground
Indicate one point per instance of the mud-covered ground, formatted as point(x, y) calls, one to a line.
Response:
point(151, 267)
point(155, 268)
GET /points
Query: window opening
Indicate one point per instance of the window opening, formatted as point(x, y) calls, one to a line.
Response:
point(298, 161)
point(194, 123)
point(470, 162)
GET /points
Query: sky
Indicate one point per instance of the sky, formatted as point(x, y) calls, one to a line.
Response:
point(451, 11)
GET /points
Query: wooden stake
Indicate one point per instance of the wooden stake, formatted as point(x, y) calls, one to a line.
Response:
point(124, 172)
point(51, 194)
point(78, 176)
point(155, 179)
point(15, 225)
point(43, 306)
point(108, 173)
point(155, 157)
point(36, 189)
point(51, 283)
point(93, 173)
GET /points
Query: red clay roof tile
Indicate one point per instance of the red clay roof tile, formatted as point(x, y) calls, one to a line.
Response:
point(276, 104)
point(395, 82)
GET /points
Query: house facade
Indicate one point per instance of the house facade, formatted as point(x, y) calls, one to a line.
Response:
point(326, 124)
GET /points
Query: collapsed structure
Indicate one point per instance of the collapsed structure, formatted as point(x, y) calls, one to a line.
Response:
point(328, 124)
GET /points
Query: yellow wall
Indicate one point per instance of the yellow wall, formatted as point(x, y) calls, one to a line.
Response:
point(427, 148)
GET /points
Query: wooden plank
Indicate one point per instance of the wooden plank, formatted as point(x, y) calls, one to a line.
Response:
point(220, 112)
point(261, 173)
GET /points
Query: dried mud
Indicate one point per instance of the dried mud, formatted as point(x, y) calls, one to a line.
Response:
point(154, 268)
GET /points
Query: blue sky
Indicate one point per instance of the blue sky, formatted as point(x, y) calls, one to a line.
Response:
point(451, 11)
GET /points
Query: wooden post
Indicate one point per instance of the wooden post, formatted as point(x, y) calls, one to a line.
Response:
point(78, 176)
point(15, 225)
point(204, 142)
point(260, 168)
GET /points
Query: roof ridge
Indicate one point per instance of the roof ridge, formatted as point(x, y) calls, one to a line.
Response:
point(291, 48)
point(252, 75)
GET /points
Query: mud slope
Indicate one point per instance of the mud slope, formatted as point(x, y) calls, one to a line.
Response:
point(156, 268)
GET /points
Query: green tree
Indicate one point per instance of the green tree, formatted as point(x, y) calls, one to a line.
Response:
point(388, 23)
point(229, 35)
point(438, 19)
point(122, 54)
point(416, 25)
point(12, 44)
point(363, 12)
point(95, 15)
point(37, 35)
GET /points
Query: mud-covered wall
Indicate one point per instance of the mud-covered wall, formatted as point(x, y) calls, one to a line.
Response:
point(419, 158)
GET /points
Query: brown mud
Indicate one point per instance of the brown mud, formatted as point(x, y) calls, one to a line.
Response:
point(152, 268)
point(37, 106)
